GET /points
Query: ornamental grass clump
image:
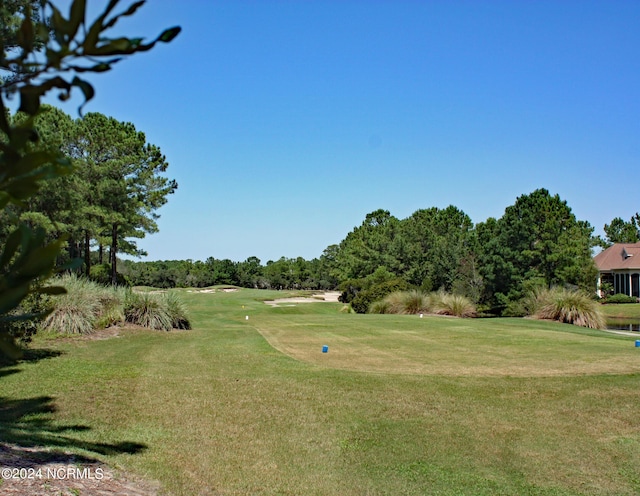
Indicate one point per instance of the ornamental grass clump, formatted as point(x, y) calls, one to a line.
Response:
point(380, 307)
point(395, 302)
point(147, 310)
point(177, 311)
point(76, 311)
point(452, 304)
point(570, 307)
point(415, 302)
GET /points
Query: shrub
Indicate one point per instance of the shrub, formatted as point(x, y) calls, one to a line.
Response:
point(380, 307)
point(395, 302)
point(571, 307)
point(415, 302)
point(177, 311)
point(452, 304)
point(366, 297)
point(621, 298)
point(147, 310)
point(24, 321)
point(76, 311)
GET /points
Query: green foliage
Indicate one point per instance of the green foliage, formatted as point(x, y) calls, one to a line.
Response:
point(285, 273)
point(569, 306)
point(621, 298)
point(23, 322)
point(43, 51)
point(177, 311)
point(452, 304)
point(147, 310)
point(620, 231)
point(76, 311)
point(415, 301)
point(363, 300)
point(537, 238)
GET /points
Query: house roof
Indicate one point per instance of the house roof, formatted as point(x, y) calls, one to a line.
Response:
point(620, 256)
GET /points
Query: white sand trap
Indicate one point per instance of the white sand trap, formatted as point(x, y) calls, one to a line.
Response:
point(328, 296)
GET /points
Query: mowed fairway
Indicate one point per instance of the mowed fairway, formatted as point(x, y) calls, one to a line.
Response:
point(398, 406)
point(443, 345)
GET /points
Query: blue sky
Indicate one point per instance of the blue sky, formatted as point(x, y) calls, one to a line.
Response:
point(286, 122)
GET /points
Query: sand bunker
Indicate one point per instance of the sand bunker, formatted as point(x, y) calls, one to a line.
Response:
point(329, 296)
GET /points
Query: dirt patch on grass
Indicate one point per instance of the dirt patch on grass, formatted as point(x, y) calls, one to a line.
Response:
point(37, 472)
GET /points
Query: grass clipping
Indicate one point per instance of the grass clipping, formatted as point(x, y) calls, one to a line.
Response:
point(570, 307)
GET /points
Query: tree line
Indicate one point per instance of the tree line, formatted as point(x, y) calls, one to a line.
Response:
point(538, 242)
point(118, 183)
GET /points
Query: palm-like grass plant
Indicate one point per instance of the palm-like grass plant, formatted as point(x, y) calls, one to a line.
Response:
point(452, 304)
point(571, 307)
point(177, 311)
point(76, 311)
point(88, 305)
point(147, 310)
point(414, 302)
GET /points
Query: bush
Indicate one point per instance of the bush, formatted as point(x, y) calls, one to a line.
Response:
point(156, 311)
point(366, 297)
point(621, 298)
point(101, 273)
point(415, 301)
point(452, 304)
point(380, 307)
point(177, 311)
point(571, 307)
point(27, 317)
point(402, 302)
point(147, 310)
point(87, 306)
point(76, 311)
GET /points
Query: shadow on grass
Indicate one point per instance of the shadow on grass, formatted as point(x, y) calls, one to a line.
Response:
point(28, 355)
point(29, 437)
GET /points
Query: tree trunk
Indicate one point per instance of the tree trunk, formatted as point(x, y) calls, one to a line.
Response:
point(113, 254)
point(87, 254)
point(100, 251)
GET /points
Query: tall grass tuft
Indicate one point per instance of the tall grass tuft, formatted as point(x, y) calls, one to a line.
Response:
point(570, 307)
point(147, 310)
point(77, 311)
point(395, 302)
point(452, 304)
point(415, 302)
point(380, 307)
point(177, 311)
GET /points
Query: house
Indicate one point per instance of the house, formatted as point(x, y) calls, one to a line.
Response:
point(619, 266)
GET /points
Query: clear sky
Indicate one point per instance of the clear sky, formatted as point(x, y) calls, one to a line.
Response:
point(286, 122)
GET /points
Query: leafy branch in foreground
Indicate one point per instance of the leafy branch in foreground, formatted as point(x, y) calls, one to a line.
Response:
point(46, 52)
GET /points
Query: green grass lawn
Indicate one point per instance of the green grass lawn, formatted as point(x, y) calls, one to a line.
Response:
point(622, 311)
point(399, 405)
